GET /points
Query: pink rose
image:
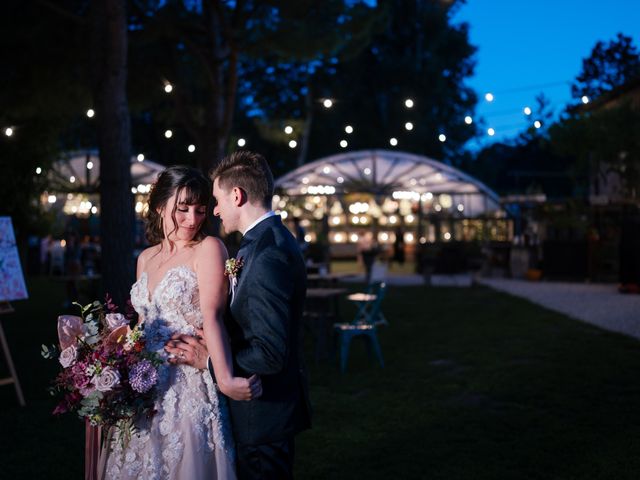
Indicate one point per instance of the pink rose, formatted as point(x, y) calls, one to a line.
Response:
point(107, 379)
point(68, 356)
point(115, 320)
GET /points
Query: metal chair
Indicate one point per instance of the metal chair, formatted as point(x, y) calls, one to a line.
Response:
point(363, 325)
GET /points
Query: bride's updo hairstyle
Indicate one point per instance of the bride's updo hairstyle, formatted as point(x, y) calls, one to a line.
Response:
point(175, 179)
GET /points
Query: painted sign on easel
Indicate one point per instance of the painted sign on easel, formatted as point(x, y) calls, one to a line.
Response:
point(12, 286)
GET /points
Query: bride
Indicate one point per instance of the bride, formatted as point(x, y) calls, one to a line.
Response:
point(181, 289)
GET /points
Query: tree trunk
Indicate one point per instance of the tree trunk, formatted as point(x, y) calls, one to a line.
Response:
point(306, 134)
point(109, 75)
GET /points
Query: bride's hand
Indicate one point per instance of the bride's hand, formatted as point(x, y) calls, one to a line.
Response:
point(188, 350)
point(242, 389)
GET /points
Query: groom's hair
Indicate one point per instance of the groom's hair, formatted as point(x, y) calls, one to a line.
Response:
point(248, 171)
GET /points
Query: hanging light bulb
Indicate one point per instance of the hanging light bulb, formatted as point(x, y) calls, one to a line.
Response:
point(327, 103)
point(8, 131)
point(527, 111)
point(585, 99)
point(489, 97)
point(90, 113)
point(141, 157)
point(393, 141)
point(442, 137)
point(168, 88)
point(468, 120)
point(408, 126)
point(491, 132)
point(348, 129)
point(408, 103)
point(293, 144)
point(343, 143)
point(191, 148)
point(288, 129)
point(168, 133)
point(537, 124)
point(242, 142)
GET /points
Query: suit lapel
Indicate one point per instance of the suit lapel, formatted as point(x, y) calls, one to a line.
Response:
point(247, 247)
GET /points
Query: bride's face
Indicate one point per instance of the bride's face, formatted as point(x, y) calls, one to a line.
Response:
point(188, 218)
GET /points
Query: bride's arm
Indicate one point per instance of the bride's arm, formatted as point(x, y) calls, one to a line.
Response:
point(140, 266)
point(212, 285)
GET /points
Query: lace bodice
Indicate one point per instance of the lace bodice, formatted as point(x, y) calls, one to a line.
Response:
point(173, 306)
point(190, 435)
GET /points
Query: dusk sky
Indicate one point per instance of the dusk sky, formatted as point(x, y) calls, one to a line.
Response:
point(527, 47)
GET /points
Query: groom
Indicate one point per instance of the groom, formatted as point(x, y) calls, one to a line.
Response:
point(266, 313)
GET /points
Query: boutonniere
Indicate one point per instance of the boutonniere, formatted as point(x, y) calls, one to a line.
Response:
point(232, 267)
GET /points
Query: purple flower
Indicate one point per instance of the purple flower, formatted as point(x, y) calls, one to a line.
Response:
point(143, 376)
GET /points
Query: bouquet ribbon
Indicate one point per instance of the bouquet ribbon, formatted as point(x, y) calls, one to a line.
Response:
point(92, 447)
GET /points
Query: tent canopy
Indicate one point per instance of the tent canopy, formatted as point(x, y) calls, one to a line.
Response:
point(79, 171)
point(390, 173)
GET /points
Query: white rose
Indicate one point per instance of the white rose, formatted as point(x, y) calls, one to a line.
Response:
point(68, 356)
point(115, 320)
point(107, 379)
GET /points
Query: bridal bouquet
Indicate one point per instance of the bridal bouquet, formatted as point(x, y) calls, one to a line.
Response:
point(107, 375)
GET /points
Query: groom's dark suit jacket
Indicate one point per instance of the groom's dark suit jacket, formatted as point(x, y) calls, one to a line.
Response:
point(264, 321)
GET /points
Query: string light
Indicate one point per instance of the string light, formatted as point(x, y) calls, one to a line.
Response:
point(8, 131)
point(242, 142)
point(343, 143)
point(585, 99)
point(90, 113)
point(527, 111)
point(408, 103)
point(491, 132)
point(393, 141)
point(327, 103)
point(89, 165)
point(288, 129)
point(442, 137)
point(408, 126)
point(537, 124)
point(191, 148)
point(168, 88)
point(293, 144)
point(468, 120)
point(140, 157)
point(72, 179)
point(168, 133)
point(340, 180)
point(348, 129)
point(489, 97)
point(38, 171)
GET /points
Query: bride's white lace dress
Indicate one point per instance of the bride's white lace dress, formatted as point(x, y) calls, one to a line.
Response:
point(190, 435)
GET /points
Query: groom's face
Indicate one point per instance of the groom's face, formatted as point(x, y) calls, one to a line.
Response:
point(226, 207)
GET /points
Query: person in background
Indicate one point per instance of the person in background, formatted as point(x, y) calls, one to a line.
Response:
point(300, 234)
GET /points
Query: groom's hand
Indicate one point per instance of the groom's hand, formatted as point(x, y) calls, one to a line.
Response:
point(188, 350)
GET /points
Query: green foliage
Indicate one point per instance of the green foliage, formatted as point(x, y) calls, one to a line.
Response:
point(601, 142)
point(608, 66)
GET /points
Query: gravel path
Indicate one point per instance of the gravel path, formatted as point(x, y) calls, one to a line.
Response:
point(598, 304)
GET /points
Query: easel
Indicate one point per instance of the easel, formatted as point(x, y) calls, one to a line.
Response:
point(5, 307)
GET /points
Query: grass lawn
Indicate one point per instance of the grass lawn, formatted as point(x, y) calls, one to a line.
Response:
point(477, 385)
